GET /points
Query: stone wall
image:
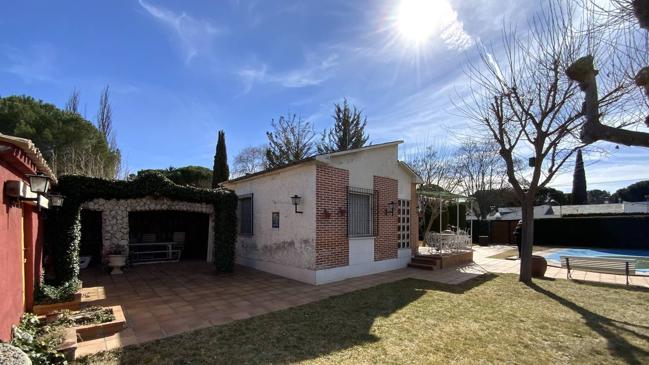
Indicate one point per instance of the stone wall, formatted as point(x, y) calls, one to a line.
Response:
point(115, 229)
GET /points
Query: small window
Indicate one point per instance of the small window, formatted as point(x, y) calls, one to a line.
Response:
point(361, 212)
point(275, 219)
point(246, 215)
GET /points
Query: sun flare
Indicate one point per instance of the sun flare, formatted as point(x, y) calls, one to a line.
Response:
point(416, 19)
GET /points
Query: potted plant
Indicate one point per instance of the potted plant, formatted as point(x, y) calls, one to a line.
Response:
point(116, 255)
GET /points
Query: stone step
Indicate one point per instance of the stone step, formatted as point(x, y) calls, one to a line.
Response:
point(426, 260)
point(421, 266)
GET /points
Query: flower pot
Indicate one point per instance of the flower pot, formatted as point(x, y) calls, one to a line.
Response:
point(116, 262)
point(539, 266)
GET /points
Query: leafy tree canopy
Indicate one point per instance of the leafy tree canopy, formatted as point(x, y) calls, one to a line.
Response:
point(547, 193)
point(197, 176)
point(637, 192)
point(597, 196)
point(69, 143)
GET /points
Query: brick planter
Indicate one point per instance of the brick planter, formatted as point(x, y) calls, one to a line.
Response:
point(73, 305)
point(93, 331)
point(69, 345)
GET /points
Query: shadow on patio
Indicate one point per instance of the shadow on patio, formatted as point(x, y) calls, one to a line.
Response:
point(301, 333)
point(170, 299)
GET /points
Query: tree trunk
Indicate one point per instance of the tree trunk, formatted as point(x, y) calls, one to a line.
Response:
point(527, 210)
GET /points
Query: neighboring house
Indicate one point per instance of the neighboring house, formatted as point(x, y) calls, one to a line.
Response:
point(329, 217)
point(20, 229)
point(622, 225)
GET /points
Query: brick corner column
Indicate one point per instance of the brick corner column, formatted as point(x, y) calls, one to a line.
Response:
point(331, 242)
point(385, 242)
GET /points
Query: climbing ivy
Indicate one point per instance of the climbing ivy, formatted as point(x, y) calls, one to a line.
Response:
point(65, 228)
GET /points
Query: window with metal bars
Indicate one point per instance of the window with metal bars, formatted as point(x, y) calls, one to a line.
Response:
point(362, 212)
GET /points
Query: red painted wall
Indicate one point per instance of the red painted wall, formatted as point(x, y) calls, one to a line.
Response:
point(12, 265)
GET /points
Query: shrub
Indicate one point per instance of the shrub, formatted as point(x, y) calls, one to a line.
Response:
point(88, 315)
point(48, 294)
point(38, 340)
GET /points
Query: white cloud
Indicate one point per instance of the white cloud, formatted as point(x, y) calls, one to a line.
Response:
point(35, 63)
point(194, 35)
point(313, 73)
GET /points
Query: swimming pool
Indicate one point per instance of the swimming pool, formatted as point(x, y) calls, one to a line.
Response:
point(554, 258)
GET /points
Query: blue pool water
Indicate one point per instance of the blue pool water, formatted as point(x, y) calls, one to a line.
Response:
point(554, 258)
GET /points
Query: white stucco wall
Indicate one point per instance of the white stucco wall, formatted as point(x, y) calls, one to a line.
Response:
point(364, 165)
point(289, 249)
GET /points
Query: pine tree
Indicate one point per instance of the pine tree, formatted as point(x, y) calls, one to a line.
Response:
point(221, 171)
point(348, 131)
point(579, 194)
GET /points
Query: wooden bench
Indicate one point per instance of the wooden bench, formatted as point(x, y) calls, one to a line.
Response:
point(607, 265)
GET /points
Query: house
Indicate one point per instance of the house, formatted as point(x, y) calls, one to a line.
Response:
point(21, 222)
point(619, 225)
point(329, 217)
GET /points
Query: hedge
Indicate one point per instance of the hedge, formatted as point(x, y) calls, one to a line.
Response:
point(65, 228)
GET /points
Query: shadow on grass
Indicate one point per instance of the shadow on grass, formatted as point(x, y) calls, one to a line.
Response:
point(608, 328)
point(301, 333)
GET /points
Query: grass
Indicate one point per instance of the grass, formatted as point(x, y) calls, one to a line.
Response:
point(490, 319)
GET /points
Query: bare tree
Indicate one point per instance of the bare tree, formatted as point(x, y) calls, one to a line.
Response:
point(290, 140)
point(623, 26)
point(72, 105)
point(481, 172)
point(105, 118)
point(434, 164)
point(250, 160)
point(105, 126)
point(523, 102)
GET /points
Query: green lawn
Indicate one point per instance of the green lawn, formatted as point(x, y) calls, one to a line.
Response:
point(491, 319)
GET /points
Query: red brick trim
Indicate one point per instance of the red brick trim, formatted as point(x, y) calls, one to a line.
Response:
point(332, 244)
point(385, 242)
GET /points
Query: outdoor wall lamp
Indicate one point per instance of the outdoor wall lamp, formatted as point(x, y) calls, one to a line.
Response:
point(39, 183)
point(56, 200)
point(297, 200)
point(390, 208)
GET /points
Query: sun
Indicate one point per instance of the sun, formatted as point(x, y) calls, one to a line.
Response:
point(416, 20)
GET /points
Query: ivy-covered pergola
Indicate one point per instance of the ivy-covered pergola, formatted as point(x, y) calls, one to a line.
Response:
point(64, 226)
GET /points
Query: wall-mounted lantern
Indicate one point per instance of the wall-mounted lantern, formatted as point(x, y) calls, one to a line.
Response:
point(297, 200)
point(56, 200)
point(39, 184)
point(390, 208)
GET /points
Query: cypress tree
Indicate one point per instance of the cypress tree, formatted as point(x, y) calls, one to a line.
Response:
point(221, 171)
point(579, 194)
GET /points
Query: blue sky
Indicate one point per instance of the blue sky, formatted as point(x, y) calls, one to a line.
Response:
point(179, 71)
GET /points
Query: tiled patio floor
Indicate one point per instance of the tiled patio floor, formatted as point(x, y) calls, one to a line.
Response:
point(161, 300)
point(167, 299)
